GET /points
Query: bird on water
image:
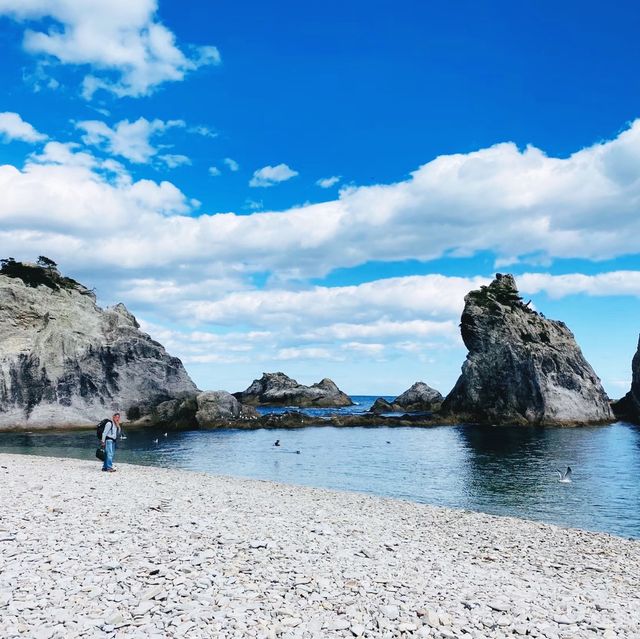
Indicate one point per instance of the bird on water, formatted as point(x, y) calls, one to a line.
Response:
point(564, 478)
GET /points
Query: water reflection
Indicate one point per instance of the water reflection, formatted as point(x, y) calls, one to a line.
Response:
point(505, 470)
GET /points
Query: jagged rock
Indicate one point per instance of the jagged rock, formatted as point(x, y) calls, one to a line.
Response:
point(64, 361)
point(214, 406)
point(521, 368)
point(277, 389)
point(628, 407)
point(417, 399)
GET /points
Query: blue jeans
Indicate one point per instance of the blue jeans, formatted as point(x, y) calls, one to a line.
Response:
point(109, 450)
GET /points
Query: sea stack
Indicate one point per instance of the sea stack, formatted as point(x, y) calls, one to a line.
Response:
point(278, 389)
point(628, 407)
point(65, 362)
point(521, 368)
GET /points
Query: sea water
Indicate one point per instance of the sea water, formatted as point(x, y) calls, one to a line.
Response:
point(500, 470)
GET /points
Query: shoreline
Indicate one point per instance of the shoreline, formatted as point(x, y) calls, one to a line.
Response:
point(296, 420)
point(205, 555)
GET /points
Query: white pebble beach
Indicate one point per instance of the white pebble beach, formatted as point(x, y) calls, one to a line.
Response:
point(155, 552)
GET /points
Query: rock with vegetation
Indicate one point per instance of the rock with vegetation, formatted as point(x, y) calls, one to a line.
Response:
point(277, 389)
point(628, 408)
point(522, 368)
point(64, 361)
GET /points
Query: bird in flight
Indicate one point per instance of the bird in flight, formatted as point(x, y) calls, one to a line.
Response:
point(564, 478)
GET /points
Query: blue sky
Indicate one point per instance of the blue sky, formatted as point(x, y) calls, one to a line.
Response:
point(314, 188)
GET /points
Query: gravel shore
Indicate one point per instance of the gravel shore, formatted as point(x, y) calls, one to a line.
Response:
point(152, 552)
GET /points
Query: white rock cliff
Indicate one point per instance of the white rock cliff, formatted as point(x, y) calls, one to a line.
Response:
point(64, 361)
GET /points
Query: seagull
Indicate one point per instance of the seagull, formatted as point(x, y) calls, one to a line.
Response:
point(564, 478)
point(155, 441)
point(166, 434)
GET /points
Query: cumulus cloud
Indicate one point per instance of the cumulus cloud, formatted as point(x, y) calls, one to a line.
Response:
point(174, 160)
point(598, 285)
point(77, 205)
point(214, 171)
point(271, 175)
point(232, 164)
point(517, 204)
point(327, 183)
point(131, 140)
point(13, 127)
point(432, 296)
point(129, 51)
point(407, 319)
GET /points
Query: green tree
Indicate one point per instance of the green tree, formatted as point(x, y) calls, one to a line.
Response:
point(45, 262)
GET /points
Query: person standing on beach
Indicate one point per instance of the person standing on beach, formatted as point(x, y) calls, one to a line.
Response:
point(109, 435)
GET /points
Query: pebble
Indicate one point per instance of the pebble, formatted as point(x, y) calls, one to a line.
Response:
point(241, 558)
point(391, 612)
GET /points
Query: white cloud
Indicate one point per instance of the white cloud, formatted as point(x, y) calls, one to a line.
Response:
point(129, 51)
point(131, 140)
point(270, 175)
point(371, 350)
point(74, 203)
point(173, 160)
point(204, 131)
point(599, 285)
point(13, 127)
point(232, 164)
point(327, 183)
point(516, 204)
point(309, 353)
point(253, 205)
point(431, 296)
point(214, 171)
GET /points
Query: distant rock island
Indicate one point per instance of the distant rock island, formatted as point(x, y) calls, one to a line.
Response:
point(278, 389)
point(522, 368)
point(419, 398)
point(64, 361)
point(628, 408)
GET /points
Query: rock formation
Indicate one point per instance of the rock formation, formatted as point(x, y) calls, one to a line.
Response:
point(628, 407)
point(277, 389)
point(210, 409)
point(521, 368)
point(381, 405)
point(214, 406)
point(417, 399)
point(420, 397)
point(64, 361)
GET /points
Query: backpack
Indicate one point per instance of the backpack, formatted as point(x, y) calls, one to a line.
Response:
point(100, 427)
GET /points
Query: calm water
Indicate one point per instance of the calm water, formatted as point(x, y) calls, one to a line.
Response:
point(506, 470)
